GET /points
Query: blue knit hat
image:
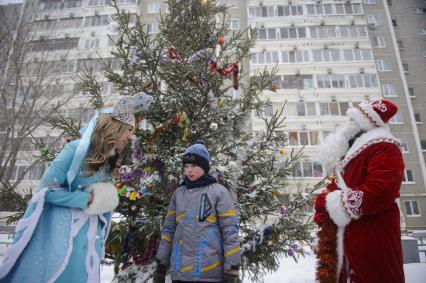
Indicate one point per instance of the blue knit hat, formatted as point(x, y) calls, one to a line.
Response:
point(197, 154)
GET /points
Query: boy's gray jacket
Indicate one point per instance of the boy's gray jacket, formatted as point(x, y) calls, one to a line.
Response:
point(199, 239)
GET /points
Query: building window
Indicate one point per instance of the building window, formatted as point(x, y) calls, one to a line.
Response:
point(396, 119)
point(153, 28)
point(296, 82)
point(54, 44)
point(293, 32)
point(389, 90)
point(294, 10)
point(154, 8)
point(92, 43)
point(96, 21)
point(373, 20)
point(333, 108)
point(300, 109)
point(379, 41)
point(266, 33)
point(98, 2)
point(126, 1)
point(307, 169)
point(383, 65)
point(302, 138)
point(411, 208)
point(423, 145)
point(261, 12)
point(268, 111)
point(369, 2)
point(400, 45)
point(403, 145)
point(417, 118)
point(394, 23)
point(267, 57)
point(389, 2)
point(405, 68)
point(411, 92)
point(418, 10)
point(420, 31)
point(234, 24)
point(424, 54)
point(408, 176)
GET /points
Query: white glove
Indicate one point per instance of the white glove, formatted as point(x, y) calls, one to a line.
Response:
point(105, 198)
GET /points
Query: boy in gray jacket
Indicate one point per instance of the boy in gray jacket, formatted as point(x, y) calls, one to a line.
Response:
point(199, 239)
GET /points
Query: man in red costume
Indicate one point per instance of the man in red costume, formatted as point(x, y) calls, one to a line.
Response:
point(359, 236)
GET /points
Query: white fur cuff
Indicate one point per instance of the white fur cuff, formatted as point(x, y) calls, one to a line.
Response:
point(335, 209)
point(105, 198)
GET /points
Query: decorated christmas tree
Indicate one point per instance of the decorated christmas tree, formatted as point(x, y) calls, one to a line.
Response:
point(195, 69)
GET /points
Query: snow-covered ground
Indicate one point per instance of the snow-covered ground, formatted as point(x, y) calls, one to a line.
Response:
point(304, 272)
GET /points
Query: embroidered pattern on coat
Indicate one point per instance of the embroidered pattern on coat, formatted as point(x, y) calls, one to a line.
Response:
point(352, 201)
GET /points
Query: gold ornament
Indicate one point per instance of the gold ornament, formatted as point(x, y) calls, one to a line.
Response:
point(275, 195)
point(132, 196)
point(282, 151)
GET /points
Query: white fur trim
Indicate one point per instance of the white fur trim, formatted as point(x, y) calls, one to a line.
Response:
point(372, 114)
point(340, 249)
point(360, 118)
point(333, 203)
point(334, 147)
point(378, 135)
point(92, 257)
point(27, 226)
point(105, 198)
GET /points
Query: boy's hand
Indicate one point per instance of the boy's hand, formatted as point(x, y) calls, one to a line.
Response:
point(160, 274)
point(231, 276)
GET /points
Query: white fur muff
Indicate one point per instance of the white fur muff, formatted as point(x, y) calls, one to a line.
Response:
point(105, 198)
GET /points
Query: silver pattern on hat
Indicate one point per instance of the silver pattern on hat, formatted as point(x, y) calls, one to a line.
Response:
point(127, 106)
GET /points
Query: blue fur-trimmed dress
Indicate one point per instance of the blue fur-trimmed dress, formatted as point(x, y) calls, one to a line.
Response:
point(56, 241)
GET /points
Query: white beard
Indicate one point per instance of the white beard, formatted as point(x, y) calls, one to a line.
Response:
point(333, 148)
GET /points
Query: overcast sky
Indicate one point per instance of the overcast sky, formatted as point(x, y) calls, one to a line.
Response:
point(4, 2)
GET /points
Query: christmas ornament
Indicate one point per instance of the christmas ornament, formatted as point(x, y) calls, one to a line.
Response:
point(44, 151)
point(132, 196)
point(225, 71)
point(282, 151)
point(221, 41)
point(200, 54)
point(282, 210)
point(213, 126)
point(273, 88)
point(172, 53)
point(122, 191)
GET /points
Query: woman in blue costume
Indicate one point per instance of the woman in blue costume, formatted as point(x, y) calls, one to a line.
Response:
point(63, 231)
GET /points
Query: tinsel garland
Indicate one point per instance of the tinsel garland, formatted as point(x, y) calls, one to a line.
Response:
point(327, 252)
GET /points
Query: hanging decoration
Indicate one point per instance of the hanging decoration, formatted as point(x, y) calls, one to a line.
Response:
point(225, 71)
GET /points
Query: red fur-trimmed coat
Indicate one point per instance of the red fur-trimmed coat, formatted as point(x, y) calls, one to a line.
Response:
point(364, 207)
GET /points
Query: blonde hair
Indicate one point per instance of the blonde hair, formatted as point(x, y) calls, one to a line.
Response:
point(106, 133)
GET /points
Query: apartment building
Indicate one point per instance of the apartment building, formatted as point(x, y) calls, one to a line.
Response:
point(72, 35)
point(398, 33)
point(332, 55)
